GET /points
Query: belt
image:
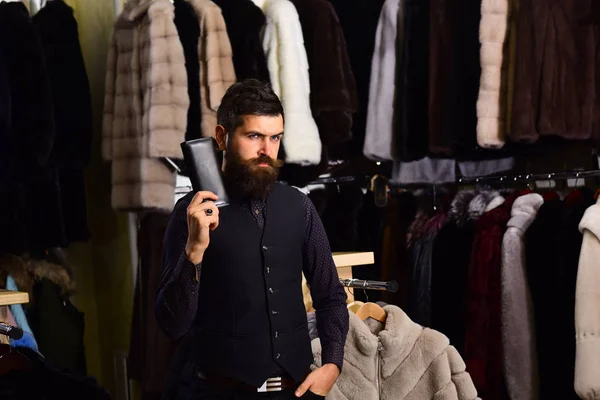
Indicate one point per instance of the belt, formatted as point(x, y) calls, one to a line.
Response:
point(275, 384)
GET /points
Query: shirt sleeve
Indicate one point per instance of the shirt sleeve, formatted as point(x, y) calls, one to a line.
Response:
point(329, 297)
point(177, 298)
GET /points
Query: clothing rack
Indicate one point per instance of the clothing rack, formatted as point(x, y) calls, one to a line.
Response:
point(391, 286)
point(532, 177)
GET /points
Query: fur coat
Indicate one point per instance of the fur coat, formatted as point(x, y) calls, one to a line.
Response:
point(216, 63)
point(283, 43)
point(493, 36)
point(518, 323)
point(244, 22)
point(483, 343)
point(379, 138)
point(555, 71)
point(332, 85)
point(587, 317)
point(188, 29)
point(145, 105)
point(400, 360)
point(72, 107)
point(28, 223)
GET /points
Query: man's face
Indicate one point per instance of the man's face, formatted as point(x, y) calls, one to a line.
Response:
point(259, 136)
point(251, 164)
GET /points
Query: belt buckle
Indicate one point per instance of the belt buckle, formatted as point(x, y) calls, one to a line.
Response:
point(271, 385)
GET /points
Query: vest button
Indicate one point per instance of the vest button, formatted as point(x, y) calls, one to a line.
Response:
point(274, 312)
point(271, 290)
point(276, 334)
point(265, 248)
point(277, 356)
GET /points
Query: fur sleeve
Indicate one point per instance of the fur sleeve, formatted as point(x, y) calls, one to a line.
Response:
point(380, 134)
point(164, 85)
point(216, 62)
point(301, 139)
point(465, 389)
point(492, 87)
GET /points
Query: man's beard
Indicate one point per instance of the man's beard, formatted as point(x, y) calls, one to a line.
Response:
point(246, 178)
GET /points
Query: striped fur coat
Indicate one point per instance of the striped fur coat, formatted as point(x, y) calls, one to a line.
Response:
point(145, 105)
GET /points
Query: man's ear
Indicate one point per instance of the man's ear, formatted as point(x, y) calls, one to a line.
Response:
point(221, 137)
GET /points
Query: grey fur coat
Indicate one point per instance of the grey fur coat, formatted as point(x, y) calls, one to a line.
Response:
point(398, 360)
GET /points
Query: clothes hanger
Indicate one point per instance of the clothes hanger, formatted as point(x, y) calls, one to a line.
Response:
point(371, 310)
point(355, 306)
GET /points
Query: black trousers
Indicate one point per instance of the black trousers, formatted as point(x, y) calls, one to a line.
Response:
point(204, 390)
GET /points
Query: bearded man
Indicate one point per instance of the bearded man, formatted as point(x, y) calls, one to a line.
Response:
point(232, 278)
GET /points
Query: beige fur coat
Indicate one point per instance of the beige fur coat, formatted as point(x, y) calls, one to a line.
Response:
point(587, 308)
point(216, 62)
point(145, 105)
point(414, 363)
point(491, 102)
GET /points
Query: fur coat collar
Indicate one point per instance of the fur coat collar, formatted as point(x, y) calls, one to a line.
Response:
point(398, 360)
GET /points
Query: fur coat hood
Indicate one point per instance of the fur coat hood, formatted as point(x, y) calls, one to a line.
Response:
point(27, 271)
point(398, 360)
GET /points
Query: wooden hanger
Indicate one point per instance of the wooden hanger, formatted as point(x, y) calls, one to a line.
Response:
point(371, 310)
point(355, 306)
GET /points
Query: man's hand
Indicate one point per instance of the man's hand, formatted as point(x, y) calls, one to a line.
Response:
point(320, 381)
point(199, 224)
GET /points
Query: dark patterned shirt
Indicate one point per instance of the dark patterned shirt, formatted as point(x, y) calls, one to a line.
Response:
point(177, 300)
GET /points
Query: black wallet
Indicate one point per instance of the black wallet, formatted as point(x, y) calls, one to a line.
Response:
point(203, 168)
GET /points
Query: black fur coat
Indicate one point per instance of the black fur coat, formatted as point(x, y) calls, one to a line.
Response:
point(30, 208)
point(72, 107)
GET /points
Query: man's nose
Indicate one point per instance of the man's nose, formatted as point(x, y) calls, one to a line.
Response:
point(266, 147)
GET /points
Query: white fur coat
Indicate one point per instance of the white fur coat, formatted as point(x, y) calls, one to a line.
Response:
point(491, 107)
point(414, 362)
point(287, 61)
point(587, 308)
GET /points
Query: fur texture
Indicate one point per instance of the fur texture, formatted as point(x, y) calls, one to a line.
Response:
point(380, 135)
point(216, 63)
point(332, 85)
point(27, 271)
point(518, 325)
point(479, 203)
point(556, 68)
point(415, 362)
point(587, 297)
point(145, 105)
point(492, 88)
point(244, 22)
point(287, 61)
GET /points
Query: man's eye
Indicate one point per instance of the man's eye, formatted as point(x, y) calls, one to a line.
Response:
point(253, 136)
point(276, 138)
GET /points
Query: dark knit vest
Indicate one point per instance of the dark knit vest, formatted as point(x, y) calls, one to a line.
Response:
point(251, 316)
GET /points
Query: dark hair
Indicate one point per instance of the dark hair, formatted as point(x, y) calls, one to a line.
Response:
point(249, 97)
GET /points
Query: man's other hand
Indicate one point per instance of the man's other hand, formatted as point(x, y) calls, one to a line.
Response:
point(320, 381)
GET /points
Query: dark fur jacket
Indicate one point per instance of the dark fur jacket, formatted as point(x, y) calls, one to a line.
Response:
point(30, 208)
point(244, 22)
point(71, 99)
point(556, 70)
point(333, 95)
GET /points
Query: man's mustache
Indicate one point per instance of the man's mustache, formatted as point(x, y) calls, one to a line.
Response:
point(266, 160)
